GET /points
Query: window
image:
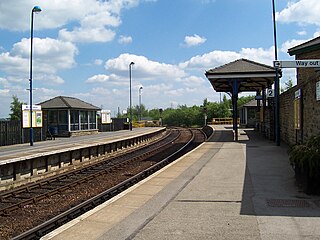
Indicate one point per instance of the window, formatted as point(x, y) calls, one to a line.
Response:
point(92, 120)
point(84, 120)
point(74, 120)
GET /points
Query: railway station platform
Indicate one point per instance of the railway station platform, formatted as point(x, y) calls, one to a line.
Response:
point(220, 190)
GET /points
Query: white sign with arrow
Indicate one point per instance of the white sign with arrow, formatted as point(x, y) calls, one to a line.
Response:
point(313, 63)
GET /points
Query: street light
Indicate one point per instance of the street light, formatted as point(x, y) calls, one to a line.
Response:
point(140, 102)
point(277, 80)
point(35, 9)
point(130, 120)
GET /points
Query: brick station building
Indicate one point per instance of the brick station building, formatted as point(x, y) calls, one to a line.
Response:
point(300, 105)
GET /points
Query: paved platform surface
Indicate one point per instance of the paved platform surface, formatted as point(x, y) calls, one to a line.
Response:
point(12, 152)
point(221, 190)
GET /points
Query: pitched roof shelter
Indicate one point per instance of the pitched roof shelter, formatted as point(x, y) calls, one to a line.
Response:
point(250, 75)
point(69, 116)
point(242, 75)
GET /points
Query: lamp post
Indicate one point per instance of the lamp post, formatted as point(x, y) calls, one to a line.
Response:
point(35, 9)
point(277, 80)
point(130, 121)
point(140, 102)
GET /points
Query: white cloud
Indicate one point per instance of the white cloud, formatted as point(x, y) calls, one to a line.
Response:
point(210, 60)
point(100, 91)
point(93, 20)
point(58, 13)
point(3, 81)
point(192, 81)
point(125, 39)
point(143, 68)
point(108, 79)
point(12, 64)
point(98, 62)
point(100, 78)
point(290, 44)
point(260, 55)
point(43, 94)
point(178, 92)
point(302, 33)
point(49, 57)
point(316, 34)
point(156, 89)
point(217, 58)
point(50, 79)
point(302, 12)
point(194, 40)
point(87, 35)
point(4, 92)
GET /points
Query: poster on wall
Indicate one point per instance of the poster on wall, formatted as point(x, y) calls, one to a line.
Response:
point(297, 110)
point(318, 91)
point(36, 116)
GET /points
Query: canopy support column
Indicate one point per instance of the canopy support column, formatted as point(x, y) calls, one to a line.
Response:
point(235, 92)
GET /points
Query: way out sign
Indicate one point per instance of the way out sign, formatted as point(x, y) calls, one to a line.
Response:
point(313, 63)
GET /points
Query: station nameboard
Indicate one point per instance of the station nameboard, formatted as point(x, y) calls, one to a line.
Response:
point(313, 63)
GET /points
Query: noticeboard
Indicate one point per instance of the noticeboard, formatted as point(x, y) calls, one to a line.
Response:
point(106, 116)
point(36, 116)
point(297, 113)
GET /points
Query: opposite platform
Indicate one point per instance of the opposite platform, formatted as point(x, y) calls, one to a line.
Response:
point(20, 151)
point(221, 190)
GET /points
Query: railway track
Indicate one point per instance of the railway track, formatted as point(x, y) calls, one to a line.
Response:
point(83, 189)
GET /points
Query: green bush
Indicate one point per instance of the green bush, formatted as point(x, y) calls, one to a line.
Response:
point(305, 158)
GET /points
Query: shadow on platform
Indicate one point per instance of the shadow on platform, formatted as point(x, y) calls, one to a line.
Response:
point(269, 183)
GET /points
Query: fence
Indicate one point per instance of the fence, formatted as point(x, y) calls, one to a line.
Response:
point(11, 133)
point(223, 121)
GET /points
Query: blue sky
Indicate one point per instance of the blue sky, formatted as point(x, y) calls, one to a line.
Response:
point(83, 48)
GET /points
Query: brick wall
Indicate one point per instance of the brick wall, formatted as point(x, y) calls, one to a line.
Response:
point(307, 78)
point(287, 131)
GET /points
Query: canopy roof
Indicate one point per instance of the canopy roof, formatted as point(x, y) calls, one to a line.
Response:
point(309, 46)
point(251, 76)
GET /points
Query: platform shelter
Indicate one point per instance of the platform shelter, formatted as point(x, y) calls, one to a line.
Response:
point(243, 75)
point(68, 116)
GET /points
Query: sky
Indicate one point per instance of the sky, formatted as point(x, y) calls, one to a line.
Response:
point(83, 48)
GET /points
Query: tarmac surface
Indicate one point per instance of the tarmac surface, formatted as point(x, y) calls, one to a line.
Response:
point(221, 190)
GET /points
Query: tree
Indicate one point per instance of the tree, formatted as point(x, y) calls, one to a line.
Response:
point(288, 84)
point(15, 108)
point(245, 99)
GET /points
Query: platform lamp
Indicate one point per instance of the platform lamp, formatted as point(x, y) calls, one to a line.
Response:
point(130, 97)
point(277, 80)
point(140, 102)
point(35, 9)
